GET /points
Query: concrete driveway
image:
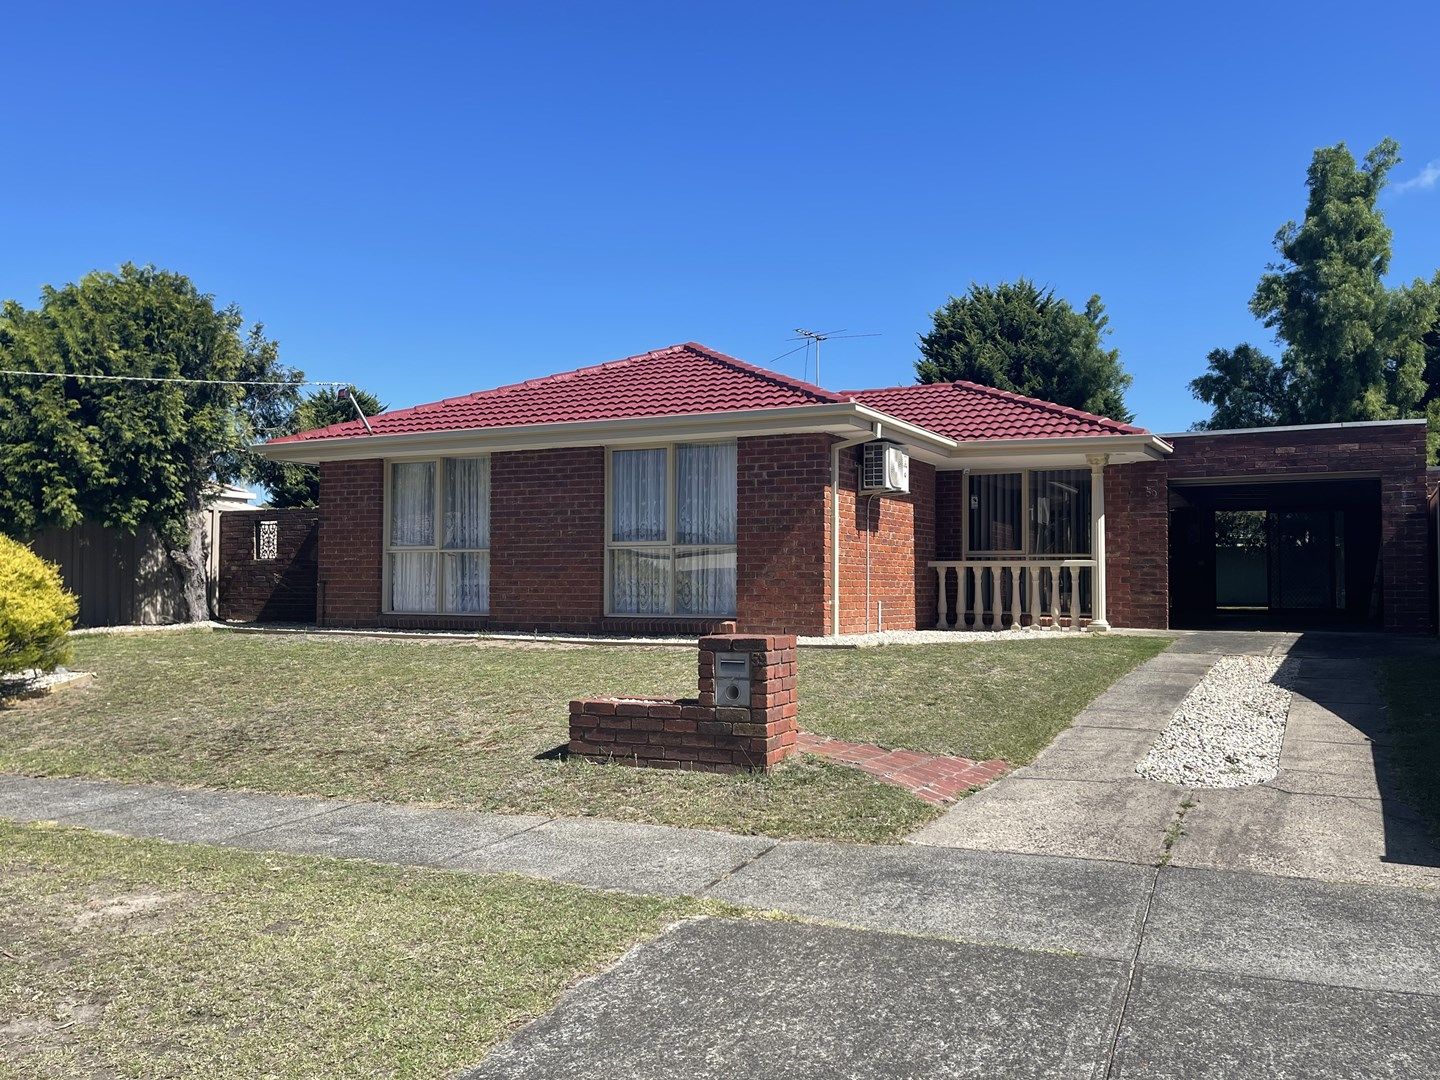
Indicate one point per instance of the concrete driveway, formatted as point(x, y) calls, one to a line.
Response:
point(1333, 812)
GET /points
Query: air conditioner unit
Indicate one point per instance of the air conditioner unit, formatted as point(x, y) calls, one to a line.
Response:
point(884, 469)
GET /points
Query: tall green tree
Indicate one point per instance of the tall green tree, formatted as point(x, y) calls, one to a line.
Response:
point(1431, 400)
point(131, 453)
point(1244, 388)
point(1020, 337)
point(293, 484)
point(1353, 348)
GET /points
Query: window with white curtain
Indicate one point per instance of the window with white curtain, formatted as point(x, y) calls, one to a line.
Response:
point(671, 542)
point(438, 537)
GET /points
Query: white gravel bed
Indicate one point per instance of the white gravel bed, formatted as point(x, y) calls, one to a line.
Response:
point(944, 637)
point(146, 628)
point(1228, 731)
point(35, 683)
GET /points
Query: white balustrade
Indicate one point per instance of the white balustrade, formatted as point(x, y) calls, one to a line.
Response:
point(996, 594)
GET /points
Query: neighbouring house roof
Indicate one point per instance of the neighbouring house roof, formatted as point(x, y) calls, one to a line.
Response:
point(967, 411)
point(677, 381)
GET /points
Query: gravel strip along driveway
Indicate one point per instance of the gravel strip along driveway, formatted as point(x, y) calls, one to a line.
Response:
point(1228, 731)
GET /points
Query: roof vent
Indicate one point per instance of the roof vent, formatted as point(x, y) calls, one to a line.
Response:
point(884, 469)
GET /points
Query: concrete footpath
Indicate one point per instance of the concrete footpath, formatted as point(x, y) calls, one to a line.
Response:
point(939, 961)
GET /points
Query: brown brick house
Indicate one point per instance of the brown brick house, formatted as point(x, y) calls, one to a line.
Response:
point(680, 490)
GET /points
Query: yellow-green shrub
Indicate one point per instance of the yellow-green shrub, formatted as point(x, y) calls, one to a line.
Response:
point(36, 612)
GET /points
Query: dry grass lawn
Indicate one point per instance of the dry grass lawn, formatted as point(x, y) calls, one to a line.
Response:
point(130, 958)
point(471, 724)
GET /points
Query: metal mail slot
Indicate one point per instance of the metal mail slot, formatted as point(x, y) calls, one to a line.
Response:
point(732, 680)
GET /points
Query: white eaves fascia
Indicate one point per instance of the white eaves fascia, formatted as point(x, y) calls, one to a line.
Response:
point(843, 418)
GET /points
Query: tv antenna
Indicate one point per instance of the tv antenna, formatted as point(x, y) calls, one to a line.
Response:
point(815, 337)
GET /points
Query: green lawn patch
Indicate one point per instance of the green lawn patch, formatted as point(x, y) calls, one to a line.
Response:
point(468, 725)
point(984, 700)
point(135, 958)
point(1411, 686)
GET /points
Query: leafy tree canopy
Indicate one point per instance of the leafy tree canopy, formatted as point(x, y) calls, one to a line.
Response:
point(1020, 337)
point(1353, 348)
point(124, 453)
point(293, 484)
point(1244, 387)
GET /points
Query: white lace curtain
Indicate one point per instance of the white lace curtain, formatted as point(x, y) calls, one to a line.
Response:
point(412, 580)
point(412, 504)
point(659, 580)
point(638, 510)
point(467, 503)
point(416, 576)
point(705, 494)
point(467, 526)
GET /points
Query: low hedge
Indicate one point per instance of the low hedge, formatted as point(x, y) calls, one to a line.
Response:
point(36, 612)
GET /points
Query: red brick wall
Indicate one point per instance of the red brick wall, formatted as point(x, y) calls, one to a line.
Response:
point(281, 589)
point(949, 514)
point(1137, 545)
point(351, 542)
point(1137, 509)
point(547, 543)
point(783, 543)
point(547, 539)
point(901, 531)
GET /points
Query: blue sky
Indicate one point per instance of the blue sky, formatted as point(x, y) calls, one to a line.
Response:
point(432, 199)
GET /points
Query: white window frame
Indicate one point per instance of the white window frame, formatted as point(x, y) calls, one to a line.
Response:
point(1024, 551)
point(668, 544)
point(437, 548)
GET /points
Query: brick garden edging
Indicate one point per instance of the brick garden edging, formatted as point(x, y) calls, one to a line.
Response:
point(696, 733)
point(939, 779)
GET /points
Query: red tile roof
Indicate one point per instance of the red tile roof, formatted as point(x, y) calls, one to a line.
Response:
point(675, 381)
point(690, 379)
point(967, 410)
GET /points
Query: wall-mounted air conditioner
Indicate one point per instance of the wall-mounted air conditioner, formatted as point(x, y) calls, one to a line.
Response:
point(884, 469)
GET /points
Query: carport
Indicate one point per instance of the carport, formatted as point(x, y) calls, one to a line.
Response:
point(1289, 528)
point(1285, 553)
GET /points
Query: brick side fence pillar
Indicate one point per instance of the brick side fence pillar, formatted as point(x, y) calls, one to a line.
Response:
point(774, 702)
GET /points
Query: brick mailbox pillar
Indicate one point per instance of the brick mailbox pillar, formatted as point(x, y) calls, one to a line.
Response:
point(744, 717)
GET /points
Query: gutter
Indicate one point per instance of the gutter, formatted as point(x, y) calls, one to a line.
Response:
point(1296, 427)
point(835, 523)
point(829, 418)
point(1152, 445)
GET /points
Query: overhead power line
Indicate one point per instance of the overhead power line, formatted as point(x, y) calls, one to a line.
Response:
point(171, 379)
point(343, 388)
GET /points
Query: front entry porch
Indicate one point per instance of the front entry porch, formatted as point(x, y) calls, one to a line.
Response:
point(1003, 595)
point(1032, 545)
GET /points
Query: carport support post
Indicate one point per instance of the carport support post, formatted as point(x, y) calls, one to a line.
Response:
point(1098, 620)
